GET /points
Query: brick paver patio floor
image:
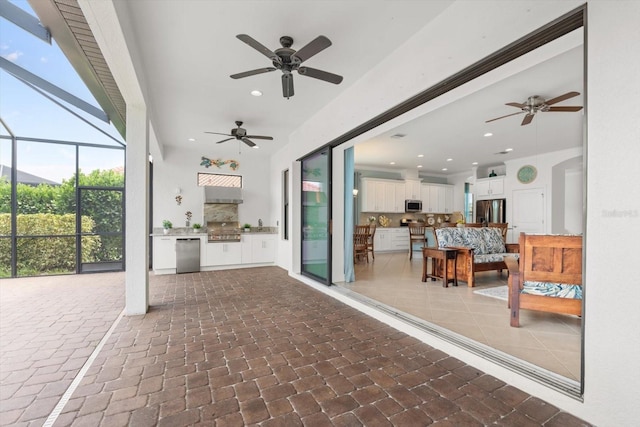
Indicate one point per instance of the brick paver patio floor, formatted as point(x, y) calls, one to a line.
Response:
point(247, 347)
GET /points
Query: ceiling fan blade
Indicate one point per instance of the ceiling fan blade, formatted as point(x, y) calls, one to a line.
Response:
point(249, 142)
point(270, 138)
point(224, 140)
point(287, 85)
point(320, 75)
point(315, 46)
point(502, 117)
point(216, 133)
point(564, 109)
point(527, 119)
point(252, 72)
point(259, 47)
point(562, 97)
point(515, 104)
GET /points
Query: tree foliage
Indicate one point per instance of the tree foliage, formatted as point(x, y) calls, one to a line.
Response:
point(50, 210)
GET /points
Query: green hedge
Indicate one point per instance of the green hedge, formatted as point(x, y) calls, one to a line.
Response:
point(46, 255)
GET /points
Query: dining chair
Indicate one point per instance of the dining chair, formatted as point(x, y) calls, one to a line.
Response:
point(372, 234)
point(361, 242)
point(416, 235)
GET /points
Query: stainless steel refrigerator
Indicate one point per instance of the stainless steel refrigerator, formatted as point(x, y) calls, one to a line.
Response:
point(494, 210)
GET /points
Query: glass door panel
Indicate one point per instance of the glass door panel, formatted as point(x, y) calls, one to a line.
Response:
point(316, 216)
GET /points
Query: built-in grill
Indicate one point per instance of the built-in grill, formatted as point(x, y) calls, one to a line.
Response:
point(223, 232)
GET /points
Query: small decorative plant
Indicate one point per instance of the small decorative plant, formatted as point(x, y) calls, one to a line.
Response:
point(196, 226)
point(372, 219)
point(166, 224)
point(247, 227)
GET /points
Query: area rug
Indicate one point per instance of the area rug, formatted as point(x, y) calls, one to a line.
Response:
point(500, 292)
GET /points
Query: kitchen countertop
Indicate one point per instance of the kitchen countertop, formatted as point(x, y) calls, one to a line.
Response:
point(187, 231)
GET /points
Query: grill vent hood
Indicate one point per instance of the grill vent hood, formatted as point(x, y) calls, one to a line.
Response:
point(222, 195)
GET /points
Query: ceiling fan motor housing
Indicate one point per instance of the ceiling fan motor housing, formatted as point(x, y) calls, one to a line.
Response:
point(534, 104)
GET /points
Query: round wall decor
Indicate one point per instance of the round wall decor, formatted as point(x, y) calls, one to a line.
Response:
point(527, 174)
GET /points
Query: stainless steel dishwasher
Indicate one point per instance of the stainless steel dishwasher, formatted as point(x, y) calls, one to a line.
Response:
point(187, 255)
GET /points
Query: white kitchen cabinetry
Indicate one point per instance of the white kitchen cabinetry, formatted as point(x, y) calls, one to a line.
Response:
point(436, 198)
point(400, 197)
point(258, 248)
point(164, 252)
point(263, 248)
point(489, 188)
point(381, 195)
point(229, 253)
point(391, 239)
point(412, 189)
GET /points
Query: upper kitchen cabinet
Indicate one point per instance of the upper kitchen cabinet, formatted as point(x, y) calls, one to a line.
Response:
point(489, 188)
point(412, 189)
point(381, 195)
point(436, 198)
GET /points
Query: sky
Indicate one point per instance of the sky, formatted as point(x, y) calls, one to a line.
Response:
point(28, 114)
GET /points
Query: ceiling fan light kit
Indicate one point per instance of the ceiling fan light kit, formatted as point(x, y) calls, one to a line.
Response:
point(536, 104)
point(241, 135)
point(287, 60)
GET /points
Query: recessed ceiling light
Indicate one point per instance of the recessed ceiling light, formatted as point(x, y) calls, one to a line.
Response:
point(192, 139)
point(474, 163)
point(256, 93)
point(444, 169)
point(508, 149)
point(392, 163)
point(419, 166)
point(420, 155)
point(256, 147)
point(398, 135)
point(449, 160)
point(488, 134)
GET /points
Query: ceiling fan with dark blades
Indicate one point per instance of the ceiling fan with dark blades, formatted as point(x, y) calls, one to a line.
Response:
point(288, 60)
point(241, 135)
point(536, 104)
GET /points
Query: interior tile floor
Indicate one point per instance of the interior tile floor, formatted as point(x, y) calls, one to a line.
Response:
point(234, 347)
point(551, 341)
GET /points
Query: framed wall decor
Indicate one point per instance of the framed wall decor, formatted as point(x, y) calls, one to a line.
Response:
point(527, 174)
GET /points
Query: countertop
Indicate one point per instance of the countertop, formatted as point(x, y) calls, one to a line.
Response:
point(188, 231)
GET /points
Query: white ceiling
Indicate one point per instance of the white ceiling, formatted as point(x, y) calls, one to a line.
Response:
point(189, 49)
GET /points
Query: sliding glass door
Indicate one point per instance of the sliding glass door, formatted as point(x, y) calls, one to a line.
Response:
point(316, 216)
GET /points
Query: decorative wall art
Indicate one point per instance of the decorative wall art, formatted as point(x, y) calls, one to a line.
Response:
point(206, 162)
point(527, 174)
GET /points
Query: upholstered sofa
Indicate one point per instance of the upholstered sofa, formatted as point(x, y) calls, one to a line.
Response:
point(547, 276)
point(479, 249)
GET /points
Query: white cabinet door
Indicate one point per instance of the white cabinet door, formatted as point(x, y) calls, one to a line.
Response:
point(400, 197)
point(412, 189)
point(380, 195)
point(424, 197)
point(373, 195)
point(489, 188)
point(437, 198)
point(263, 248)
point(382, 240)
point(223, 254)
point(164, 252)
point(448, 199)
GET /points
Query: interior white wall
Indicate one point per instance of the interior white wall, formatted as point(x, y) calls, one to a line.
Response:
point(608, 318)
point(544, 164)
point(179, 170)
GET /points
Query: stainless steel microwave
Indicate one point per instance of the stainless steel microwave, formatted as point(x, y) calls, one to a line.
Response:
point(413, 205)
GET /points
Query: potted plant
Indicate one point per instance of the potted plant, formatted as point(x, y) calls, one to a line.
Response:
point(247, 227)
point(166, 225)
point(196, 227)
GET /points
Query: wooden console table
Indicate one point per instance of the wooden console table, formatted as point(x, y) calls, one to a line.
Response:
point(444, 254)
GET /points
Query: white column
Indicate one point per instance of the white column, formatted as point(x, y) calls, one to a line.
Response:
point(137, 212)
